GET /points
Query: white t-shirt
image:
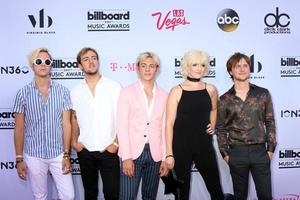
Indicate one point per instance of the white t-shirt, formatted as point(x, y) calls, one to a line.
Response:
point(96, 115)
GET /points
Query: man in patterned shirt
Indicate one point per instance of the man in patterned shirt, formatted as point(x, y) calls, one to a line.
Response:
point(246, 130)
point(43, 130)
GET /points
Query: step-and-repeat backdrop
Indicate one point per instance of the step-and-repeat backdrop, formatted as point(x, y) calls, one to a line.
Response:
point(267, 31)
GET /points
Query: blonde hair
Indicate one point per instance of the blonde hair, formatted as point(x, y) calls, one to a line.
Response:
point(194, 57)
point(33, 54)
point(145, 55)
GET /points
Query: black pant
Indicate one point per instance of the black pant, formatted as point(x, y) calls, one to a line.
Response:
point(108, 164)
point(250, 158)
point(206, 163)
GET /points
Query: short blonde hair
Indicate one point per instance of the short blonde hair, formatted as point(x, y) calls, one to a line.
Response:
point(146, 55)
point(33, 55)
point(194, 57)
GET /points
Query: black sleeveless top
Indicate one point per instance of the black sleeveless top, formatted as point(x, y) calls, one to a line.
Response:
point(193, 116)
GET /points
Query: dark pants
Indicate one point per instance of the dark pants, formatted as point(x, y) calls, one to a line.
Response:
point(250, 158)
point(145, 168)
point(206, 163)
point(108, 164)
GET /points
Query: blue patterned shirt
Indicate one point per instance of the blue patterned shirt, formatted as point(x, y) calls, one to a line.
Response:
point(43, 137)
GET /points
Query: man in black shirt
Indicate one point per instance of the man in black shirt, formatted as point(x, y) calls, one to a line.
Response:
point(246, 130)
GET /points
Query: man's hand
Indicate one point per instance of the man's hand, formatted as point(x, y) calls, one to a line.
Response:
point(226, 158)
point(112, 148)
point(270, 154)
point(77, 146)
point(128, 167)
point(163, 170)
point(22, 170)
point(66, 166)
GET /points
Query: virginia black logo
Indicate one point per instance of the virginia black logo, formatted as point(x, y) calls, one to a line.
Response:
point(41, 20)
point(255, 68)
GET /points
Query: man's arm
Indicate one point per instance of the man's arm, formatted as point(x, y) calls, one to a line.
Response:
point(19, 142)
point(75, 132)
point(66, 164)
point(270, 126)
point(66, 130)
point(221, 130)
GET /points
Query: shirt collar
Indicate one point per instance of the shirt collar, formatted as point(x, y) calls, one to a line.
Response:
point(33, 84)
point(232, 90)
point(142, 86)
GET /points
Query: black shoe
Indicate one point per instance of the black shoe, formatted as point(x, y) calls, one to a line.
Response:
point(228, 196)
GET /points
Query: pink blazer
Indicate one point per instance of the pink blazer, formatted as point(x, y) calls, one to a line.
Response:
point(133, 121)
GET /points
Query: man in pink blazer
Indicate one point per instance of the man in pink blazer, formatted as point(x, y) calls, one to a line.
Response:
point(140, 130)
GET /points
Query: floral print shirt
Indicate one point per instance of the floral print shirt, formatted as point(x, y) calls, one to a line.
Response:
point(246, 122)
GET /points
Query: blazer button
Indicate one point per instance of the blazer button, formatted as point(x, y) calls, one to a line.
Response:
point(145, 135)
point(147, 123)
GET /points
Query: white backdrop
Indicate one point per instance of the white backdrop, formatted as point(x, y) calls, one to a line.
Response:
point(268, 31)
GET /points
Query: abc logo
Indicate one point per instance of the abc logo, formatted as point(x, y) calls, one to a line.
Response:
point(228, 20)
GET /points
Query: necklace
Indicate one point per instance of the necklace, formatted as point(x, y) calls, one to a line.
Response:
point(193, 79)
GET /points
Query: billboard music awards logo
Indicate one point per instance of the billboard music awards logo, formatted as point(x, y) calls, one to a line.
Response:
point(290, 66)
point(228, 20)
point(277, 23)
point(130, 67)
point(66, 68)
point(255, 69)
point(75, 163)
point(289, 158)
point(172, 19)
point(211, 68)
point(108, 20)
point(14, 69)
point(7, 119)
point(41, 23)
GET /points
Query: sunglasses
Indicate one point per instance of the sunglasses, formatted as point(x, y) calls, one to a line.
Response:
point(39, 61)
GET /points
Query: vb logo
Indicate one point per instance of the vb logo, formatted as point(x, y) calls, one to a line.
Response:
point(255, 68)
point(41, 20)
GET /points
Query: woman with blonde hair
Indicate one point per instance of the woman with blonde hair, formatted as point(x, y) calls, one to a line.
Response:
point(190, 121)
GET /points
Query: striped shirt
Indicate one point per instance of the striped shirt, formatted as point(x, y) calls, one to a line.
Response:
point(43, 137)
